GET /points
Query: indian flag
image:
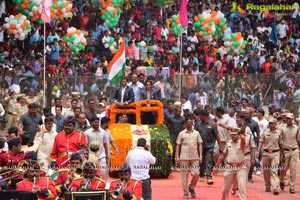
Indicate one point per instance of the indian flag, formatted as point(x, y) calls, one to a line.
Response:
point(116, 67)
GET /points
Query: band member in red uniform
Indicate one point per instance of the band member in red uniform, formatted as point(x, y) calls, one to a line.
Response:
point(67, 141)
point(88, 182)
point(67, 174)
point(130, 189)
point(9, 160)
point(43, 186)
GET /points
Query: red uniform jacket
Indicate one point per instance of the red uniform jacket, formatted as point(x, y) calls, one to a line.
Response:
point(10, 160)
point(95, 184)
point(64, 143)
point(133, 186)
point(45, 183)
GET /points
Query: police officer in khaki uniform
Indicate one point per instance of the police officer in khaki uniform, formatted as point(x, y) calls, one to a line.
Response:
point(10, 108)
point(189, 156)
point(234, 153)
point(249, 151)
point(21, 107)
point(291, 145)
point(271, 139)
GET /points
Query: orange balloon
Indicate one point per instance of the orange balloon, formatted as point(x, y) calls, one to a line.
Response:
point(196, 18)
point(84, 43)
point(78, 32)
point(223, 28)
point(243, 46)
point(177, 20)
point(213, 13)
point(13, 26)
point(10, 31)
point(208, 32)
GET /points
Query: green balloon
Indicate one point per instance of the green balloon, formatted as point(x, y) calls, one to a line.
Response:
point(238, 43)
point(201, 19)
point(210, 23)
point(174, 18)
point(232, 48)
point(61, 5)
point(202, 28)
point(151, 48)
point(139, 44)
point(54, 6)
point(80, 46)
point(204, 33)
point(241, 50)
point(221, 24)
point(72, 38)
point(28, 27)
point(26, 12)
point(197, 24)
point(244, 42)
point(40, 21)
point(74, 48)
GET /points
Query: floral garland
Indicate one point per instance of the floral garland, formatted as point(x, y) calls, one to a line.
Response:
point(121, 133)
point(137, 108)
point(161, 148)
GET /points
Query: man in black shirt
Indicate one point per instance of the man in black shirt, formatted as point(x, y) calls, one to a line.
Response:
point(209, 135)
point(253, 125)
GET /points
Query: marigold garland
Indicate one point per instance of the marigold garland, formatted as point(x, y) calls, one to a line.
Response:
point(121, 133)
point(137, 108)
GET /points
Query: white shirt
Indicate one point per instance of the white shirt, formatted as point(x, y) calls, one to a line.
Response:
point(44, 151)
point(108, 138)
point(263, 124)
point(139, 161)
point(122, 94)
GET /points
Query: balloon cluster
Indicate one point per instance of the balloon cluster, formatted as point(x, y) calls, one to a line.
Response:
point(75, 40)
point(112, 45)
point(164, 2)
point(111, 10)
point(61, 9)
point(153, 48)
point(142, 44)
point(235, 43)
point(30, 8)
point(209, 26)
point(17, 26)
point(176, 26)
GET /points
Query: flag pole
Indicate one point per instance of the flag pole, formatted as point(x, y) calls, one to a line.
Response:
point(44, 75)
point(180, 64)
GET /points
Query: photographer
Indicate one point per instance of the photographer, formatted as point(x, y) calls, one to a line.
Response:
point(139, 160)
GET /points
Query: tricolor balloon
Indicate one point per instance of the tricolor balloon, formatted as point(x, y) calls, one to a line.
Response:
point(75, 39)
point(209, 26)
point(17, 26)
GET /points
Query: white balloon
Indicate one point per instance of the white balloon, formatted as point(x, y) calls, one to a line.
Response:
point(111, 48)
point(109, 8)
point(23, 18)
point(6, 19)
point(106, 45)
point(6, 26)
point(11, 17)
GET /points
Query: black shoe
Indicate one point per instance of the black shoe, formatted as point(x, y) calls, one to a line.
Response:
point(210, 181)
point(250, 180)
point(281, 186)
point(292, 190)
point(192, 191)
point(233, 191)
point(275, 192)
point(268, 189)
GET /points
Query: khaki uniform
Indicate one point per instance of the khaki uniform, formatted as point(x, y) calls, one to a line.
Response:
point(235, 167)
point(290, 139)
point(20, 110)
point(249, 146)
point(189, 157)
point(11, 112)
point(271, 156)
